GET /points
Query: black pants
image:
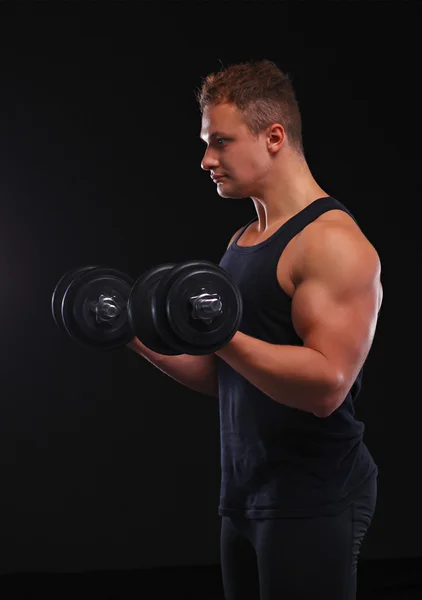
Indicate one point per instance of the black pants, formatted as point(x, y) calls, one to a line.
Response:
point(296, 559)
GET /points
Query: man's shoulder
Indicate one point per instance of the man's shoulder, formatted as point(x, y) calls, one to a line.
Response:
point(336, 239)
point(335, 227)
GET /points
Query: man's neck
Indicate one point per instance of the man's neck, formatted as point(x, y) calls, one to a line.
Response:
point(289, 190)
point(286, 206)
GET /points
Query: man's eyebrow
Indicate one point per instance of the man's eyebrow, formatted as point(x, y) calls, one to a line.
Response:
point(214, 135)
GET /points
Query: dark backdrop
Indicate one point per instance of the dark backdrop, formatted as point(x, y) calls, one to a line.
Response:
point(105, 463)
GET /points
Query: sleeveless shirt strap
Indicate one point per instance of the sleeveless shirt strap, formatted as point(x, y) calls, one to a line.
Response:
point(242, 231)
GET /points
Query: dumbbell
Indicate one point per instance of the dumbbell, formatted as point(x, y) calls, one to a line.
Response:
point(192, 307)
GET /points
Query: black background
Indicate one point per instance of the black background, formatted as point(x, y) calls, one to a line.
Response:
point(105, 463)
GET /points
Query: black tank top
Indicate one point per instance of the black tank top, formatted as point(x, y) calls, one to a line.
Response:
point(278, 461)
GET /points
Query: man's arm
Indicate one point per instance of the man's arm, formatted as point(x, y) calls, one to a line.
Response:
point(196, 372)
point(334, 311)
point(199, 373)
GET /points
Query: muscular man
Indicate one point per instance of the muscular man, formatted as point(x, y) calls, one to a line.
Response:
point(299, 485)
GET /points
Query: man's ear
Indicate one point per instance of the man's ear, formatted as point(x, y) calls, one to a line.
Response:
point(275, 138)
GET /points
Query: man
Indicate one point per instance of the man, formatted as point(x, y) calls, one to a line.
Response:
point(299, 485)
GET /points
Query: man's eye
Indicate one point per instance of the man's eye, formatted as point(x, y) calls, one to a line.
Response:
point(220, 141)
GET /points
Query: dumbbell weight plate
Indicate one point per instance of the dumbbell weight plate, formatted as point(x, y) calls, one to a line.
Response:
point(172, 308)
point(59, 291)
point(80, 320)
point(140, 309)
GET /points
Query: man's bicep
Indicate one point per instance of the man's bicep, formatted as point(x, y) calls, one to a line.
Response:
point(334, 311)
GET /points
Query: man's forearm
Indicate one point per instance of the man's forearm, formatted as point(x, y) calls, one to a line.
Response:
point(196, 372)
point(296, 376)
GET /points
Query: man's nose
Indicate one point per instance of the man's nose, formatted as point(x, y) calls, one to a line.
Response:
point(209, 162)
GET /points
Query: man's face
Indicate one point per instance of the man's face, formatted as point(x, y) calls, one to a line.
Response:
point(233, 153)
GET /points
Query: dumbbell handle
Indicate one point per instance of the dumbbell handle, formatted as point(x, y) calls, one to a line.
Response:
point(106, 309)
point(204, 307)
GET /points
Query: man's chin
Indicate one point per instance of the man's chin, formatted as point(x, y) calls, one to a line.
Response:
point(225, 192)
